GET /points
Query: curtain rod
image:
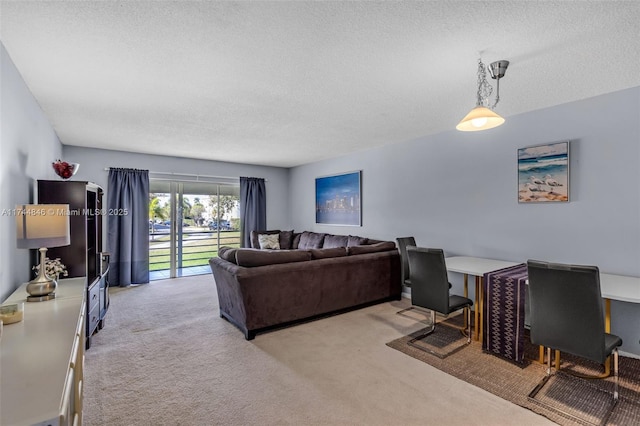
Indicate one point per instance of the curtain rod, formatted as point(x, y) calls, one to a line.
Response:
point(106, 169)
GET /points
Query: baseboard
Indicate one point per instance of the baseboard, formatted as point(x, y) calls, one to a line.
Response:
point(629, 354)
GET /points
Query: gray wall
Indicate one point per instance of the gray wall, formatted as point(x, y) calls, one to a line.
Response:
point(458, 191)
point(28, 146)
point(94, 161)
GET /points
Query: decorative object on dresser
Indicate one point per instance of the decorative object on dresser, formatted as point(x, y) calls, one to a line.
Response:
point(41, 226)
point(84, 256)
point(53, 268)
point(65, 170)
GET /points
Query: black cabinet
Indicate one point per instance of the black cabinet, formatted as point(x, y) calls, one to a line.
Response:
point(84, 257)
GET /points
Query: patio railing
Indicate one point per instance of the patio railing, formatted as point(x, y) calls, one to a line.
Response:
point(196, 248)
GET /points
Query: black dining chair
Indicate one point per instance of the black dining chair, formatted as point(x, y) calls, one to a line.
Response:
point(403, 243)
point(430, 290)
point(567, 315)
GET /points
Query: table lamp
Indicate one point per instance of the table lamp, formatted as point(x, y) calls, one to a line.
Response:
point(41, 226)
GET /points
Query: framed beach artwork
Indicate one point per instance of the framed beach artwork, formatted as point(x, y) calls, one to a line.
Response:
point(543, 173)
point(338, 199)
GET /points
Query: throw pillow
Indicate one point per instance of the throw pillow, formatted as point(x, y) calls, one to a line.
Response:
point(286, 239)
point(227, 253)
point(310, 240)
point(269, 241)
point(356, 241)
point(331, 241)
point(254, 237)
point(296, 240)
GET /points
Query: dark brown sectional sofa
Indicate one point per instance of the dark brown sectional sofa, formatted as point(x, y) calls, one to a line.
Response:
point(259, 290)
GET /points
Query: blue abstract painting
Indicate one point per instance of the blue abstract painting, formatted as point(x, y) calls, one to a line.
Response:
point(338, 199)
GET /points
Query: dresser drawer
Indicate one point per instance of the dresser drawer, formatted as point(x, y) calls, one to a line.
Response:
point(92, 320)
point(93, 296)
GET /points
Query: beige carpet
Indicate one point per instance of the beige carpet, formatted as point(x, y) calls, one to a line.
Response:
point(165, 357)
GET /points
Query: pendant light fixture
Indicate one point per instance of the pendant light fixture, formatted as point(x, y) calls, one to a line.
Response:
point(482, 117)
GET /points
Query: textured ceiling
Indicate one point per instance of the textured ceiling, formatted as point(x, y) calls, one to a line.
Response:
point(288, 83)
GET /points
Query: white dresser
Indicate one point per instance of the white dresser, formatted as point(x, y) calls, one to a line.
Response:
point(42, 359)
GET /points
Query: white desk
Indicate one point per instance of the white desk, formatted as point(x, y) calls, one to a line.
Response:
point(613, 287)
point(476, 266)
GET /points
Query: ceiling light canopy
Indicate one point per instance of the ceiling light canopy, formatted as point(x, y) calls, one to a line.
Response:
point(482, 117)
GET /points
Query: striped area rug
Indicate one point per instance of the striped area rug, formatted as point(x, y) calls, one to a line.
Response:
point(584, 401)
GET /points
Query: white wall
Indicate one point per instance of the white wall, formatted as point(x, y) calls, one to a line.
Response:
point(28, 146)
point(458, 191)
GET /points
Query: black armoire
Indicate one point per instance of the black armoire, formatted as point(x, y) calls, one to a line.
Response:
point(84, 257)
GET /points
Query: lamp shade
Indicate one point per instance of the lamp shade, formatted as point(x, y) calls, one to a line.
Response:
point(480, 118)
point(42, 225)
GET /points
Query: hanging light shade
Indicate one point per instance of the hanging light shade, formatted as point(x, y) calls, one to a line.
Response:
point(480, 118)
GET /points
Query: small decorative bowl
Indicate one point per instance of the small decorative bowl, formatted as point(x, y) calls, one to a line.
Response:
point(12, 313)
point(65, 170)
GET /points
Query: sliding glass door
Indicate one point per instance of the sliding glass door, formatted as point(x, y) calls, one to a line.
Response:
point(188, 222)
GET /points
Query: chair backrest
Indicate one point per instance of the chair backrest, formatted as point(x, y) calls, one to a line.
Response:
point(403, 243)
point(566, 309)
point(429, 282)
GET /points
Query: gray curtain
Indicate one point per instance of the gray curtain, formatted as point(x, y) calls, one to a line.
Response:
point(128, 226)
point(253, 208)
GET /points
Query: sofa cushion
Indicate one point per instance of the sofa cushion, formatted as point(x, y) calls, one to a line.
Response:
point(296, 240)
point(355, 241)
point(286, 239)
point(310, 240)
point(331, 241)
point(255, 243)
point(325, 253)
point(227, 253)
point(372, 248)
point(269, 241)
point(251, 257)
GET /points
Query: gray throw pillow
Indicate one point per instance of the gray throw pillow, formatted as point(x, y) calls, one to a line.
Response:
point(310, 240)
point(331, 241)
point(286, 239)
point(296, 240)
point(227, 253)
point(356, 241)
